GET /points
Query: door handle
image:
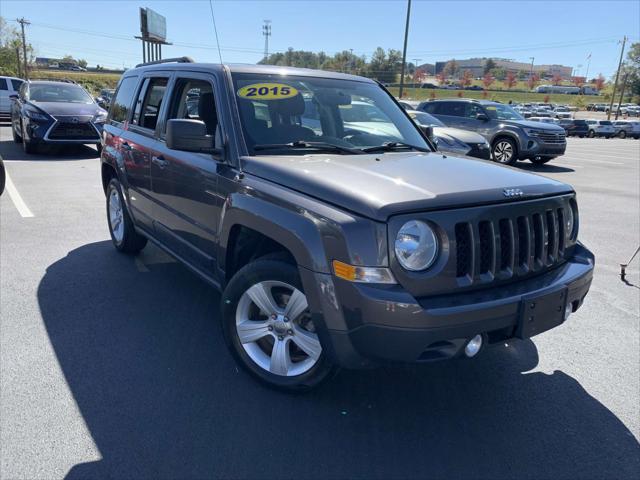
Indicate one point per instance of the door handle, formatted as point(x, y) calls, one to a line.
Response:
point(159, 161)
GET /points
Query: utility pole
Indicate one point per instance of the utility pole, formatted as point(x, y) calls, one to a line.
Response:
point(266, 31)
point(624, 85)
point(22, 23)
point(18, 60)
point(404, 51)
point(615, 84)
point(586, 75)
point(531, 68)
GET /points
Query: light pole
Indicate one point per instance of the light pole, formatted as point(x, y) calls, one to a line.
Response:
point(531, 68)
point(404, 51)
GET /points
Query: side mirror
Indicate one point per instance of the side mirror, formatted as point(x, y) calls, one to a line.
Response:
point(189, 136)
point(482, 117)
point(14, 96)
point(428, 131)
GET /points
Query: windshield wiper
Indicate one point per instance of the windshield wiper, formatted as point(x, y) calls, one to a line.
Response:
point(390, 146)
point(301, 144)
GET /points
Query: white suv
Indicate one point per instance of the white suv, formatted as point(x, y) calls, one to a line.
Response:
point(601, 128)
point(8, 86)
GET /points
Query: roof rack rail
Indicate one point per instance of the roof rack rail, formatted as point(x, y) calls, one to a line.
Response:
point(167, 60)
point(44, 79)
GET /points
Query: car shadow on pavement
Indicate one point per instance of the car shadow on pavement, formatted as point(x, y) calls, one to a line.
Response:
point(9, 150)
point(143, 355)
point(544, 168)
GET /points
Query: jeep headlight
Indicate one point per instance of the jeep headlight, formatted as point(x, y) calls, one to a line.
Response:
point(570, 221)
point(416, 246)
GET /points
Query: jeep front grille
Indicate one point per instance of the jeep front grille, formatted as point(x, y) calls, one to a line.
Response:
point(511, 246)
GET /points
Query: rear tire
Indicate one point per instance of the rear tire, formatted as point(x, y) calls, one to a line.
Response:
point(591, 134)
point(504, 151)
point(121, 228)
point(284, 353)
point(622, 134)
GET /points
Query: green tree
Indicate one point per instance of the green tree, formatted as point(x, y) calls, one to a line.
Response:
point(10, 41)
point(633, 67)
point(489, 65)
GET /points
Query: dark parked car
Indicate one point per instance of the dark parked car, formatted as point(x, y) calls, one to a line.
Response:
point(574, 128)
point(512, 138)
point(453, 140)
point(2, 176)
point(47, 112)
point(104, 99)
point(333, 246)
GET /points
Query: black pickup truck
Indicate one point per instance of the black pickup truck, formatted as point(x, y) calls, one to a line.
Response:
point(338, 239)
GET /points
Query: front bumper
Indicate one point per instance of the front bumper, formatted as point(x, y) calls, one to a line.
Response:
point(371, 324)
point(44, 133)
point(535, 147)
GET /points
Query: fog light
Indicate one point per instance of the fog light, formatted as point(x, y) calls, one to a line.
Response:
point(568, 310)
point(473, 347)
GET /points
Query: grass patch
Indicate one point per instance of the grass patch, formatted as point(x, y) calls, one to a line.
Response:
point(91, 81)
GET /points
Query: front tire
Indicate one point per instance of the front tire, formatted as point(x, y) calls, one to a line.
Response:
point(28, 147)
point(123, 233)
point(622, 134)
point(591, 134)
point(16, 137)
point(504, 151)
point(268, 327)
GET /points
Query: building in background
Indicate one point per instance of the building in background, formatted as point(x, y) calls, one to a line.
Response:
point(477, 67)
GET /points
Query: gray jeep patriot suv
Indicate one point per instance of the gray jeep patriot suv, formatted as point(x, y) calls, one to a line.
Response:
point(511, 137)
point(340, 243)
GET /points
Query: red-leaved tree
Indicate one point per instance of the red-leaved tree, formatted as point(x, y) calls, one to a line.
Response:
point(441, 77)
point(466, 79)
point(510, 80)
point(533, 81)
point(547, 98)
point(419, 75)
point(487, 80)
point(460, 94)
point(557, 79)
point(432, 95)
point(599, 82)
point(578, 81)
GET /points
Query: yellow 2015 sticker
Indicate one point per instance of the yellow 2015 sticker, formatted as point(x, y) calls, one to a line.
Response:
point(267, 91)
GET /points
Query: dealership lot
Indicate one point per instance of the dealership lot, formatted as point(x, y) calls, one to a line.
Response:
point(115, 367)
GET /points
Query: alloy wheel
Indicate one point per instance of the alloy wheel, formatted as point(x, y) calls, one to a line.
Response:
point(274, 326)
point(503, 151)
point(116, 216)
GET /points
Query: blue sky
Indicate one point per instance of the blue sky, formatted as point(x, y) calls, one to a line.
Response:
point(563, 32)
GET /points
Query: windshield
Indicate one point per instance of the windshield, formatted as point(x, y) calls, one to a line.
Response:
point(284, 113)
point(502, 112)
point(58, 93)
point(425, 120)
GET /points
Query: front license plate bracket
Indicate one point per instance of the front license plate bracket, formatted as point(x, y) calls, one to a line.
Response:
point(539, 313)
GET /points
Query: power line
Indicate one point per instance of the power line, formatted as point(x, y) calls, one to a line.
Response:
point(215, 30)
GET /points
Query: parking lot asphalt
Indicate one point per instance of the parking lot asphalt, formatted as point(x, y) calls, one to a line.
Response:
point(115, 367)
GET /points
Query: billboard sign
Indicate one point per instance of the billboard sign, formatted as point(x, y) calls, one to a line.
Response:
point(153, 26)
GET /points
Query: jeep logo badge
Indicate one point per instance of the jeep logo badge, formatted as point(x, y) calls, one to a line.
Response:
point(74, 120)
point(512, 192)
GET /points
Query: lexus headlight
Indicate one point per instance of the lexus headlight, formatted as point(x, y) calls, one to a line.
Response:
point(35, 115)
point(416, 246)
point(100, 117)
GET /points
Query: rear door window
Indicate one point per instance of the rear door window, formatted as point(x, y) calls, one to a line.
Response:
point(16, 84)
point(453, 109)
point(121, 105)
point(3, 84)
point(149, 102)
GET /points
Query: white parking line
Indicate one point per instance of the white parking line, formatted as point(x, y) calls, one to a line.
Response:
point(22, 208)
point(589, 160)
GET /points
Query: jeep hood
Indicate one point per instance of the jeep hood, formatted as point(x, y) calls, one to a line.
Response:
point(380, 185)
